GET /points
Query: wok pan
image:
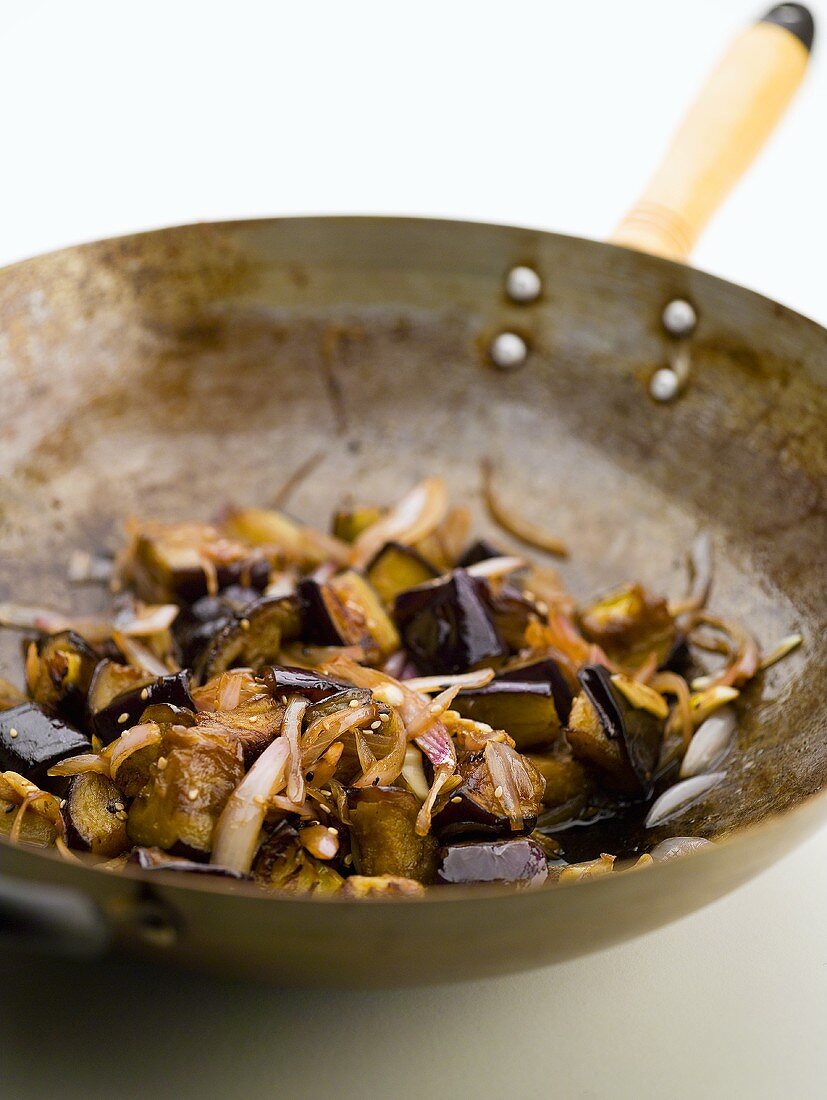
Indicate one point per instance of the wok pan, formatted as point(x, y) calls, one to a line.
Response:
point(163, 373)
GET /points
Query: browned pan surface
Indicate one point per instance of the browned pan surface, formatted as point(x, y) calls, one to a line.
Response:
point(166, 373)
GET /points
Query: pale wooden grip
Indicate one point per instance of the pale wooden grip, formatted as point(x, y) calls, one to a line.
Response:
point(725, 128)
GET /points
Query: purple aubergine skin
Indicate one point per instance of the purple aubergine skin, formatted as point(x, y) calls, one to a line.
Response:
point(40, 741)
point(446, 626)
point(196, 626)
point(481, 705)
point(174, 690)
point(510, 861)
point(318, 621)
point(287, 680)
point(72, 704)
point(545, 671)
point(469, 813)
point(190, 585)
point(635, 729)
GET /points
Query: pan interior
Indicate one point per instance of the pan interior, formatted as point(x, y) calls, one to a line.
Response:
point(168, 373)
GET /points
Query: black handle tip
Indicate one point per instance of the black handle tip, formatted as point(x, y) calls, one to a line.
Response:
point(796, 19)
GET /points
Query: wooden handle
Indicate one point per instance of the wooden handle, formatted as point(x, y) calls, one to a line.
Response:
point(729, 122)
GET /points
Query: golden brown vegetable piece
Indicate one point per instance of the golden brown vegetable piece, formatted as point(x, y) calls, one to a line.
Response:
point(33, 828)
point(381, 886)
point(95, 814)
point(629, 625)
point(349, 523)
point(187, 790)
point(396, 568)
point(59, 670)
point(254, 724)
point(566, 778)
point(111, 680)
point(183, 561)
point(384, 837)
point(366, 610)
point(284, 863)
point(254, 639)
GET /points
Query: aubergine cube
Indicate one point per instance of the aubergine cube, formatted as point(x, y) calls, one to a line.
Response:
point(525, 710)
point(154, 859)
point(349, 523)
point(171, 562)
point(325, 618)
point(253, 639)
point(511, 613)
point(607, 731)
point(32, 741)
point(95, 815)
point(629, 625)
point(366, 614)
point(112, 679)
point(476, 809)
point(179, 806)
point(446, 625)
point(546, 670)
point(287, 680)
point(396, 568)
point(126, 710)
point(478, 551)
point(59, 671)
point(384, 837)
point(283, 864)
point(520, 861)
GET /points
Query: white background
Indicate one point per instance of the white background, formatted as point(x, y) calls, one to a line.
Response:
point(122, 116)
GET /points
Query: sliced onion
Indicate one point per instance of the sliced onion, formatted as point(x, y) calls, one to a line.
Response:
point(46, 621)
point(236, 834)
point(675, 846)
point(151, 619)
point(291, 729)
point(80, 764)
point(423, 819)
point(321, 734)
point(709, 700)
point(680, 797)
point(779, 652)
point(514, 524)
point(138, 655)
point(432, 712)
point(710, 742)
point(227, 691)
point(428, 684)
point(416, 515)
point(321, 841)
point(130, 741)
point(680, 720)
point(413, 772)
point(510, 779)
point(496, 567)
point(700, 571)
point(380, 773)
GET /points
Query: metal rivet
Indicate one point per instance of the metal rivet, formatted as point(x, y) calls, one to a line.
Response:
point(508, 351)
point(664, 384)
point(679, 317)
point(523, 284)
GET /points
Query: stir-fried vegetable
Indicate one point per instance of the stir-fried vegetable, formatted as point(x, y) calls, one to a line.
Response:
point(367, 713)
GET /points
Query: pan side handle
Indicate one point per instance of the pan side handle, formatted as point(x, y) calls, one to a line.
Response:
point(725, 128)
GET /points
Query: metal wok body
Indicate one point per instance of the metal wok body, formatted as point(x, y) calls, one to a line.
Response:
point(165, 373)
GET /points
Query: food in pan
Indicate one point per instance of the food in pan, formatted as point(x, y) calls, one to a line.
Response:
point(367, 713)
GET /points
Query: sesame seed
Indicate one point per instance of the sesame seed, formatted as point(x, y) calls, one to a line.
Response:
point(119, 806)
point(284, 699)
point(245, 624)
point(384, 717)
point(376, 725)
point(192, 794)
point(456, 798)
point(353, 703)
point(348, 860)
point(330, 829)
point(122, 815)
point(62, 803)
point(498, 792)
point(12, 732)
point(123, 718)
point(162, 763)
point(253, 719)
point(144, 693)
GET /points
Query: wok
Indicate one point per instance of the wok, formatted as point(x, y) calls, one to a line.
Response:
point(163, 373)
